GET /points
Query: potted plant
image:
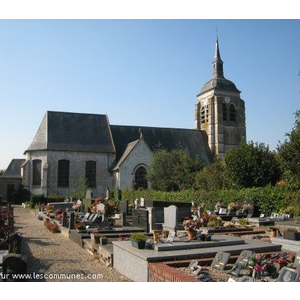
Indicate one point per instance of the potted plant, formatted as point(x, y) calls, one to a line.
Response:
point(191, 226)
point(292, 234)
point(138, 240)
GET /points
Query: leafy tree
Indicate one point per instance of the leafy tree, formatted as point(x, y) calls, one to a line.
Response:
point(289, 154)
point(81, 189)
point(251, 165)
point(211, 177)
point(174, 170)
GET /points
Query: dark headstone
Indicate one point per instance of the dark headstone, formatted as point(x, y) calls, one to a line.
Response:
point(140, 219)
point(1, 200)
point(288, 275)
point(14, 264)
point(72, 220)
point(220, 261)
point(65, 219)
point(15, 242)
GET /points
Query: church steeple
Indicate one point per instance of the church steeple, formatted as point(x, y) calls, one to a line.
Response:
point(217, 63)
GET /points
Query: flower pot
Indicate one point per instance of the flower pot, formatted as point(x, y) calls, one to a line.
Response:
point(191, 234)
point(138, 244)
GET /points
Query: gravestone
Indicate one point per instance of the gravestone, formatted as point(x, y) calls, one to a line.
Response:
point(246, 279)
point(123, 207)
point(193, 264)
point(220, 261)
point(64, 219)
point(297, 259)
point(140, 219)
point(288, 275)
point(15, 242)
point(170, 216)
point(14, 264)
point(241, 263)
point(89, 194)
point(142, 202)
point(171, 237)
point(1, 200)
point(72, 220)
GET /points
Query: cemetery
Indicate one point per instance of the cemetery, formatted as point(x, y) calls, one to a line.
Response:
point(166, 240)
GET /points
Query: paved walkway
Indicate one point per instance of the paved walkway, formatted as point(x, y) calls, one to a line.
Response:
point(52, 253)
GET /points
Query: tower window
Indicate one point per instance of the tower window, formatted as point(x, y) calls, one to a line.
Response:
point(36, 170)
point(63, 173)
point(90, 173)
point(204, 114)
point(224, 107)
point(232, 113)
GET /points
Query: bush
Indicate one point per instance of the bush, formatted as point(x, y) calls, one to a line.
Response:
point(139, 237)
point(36, 200)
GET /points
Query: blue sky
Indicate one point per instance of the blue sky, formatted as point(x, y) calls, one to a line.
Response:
point(143, 72)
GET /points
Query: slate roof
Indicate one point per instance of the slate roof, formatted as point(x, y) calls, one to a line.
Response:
point(73, 132)
point(127, 151)
point(14, 169)
point(220, 84)
point(194, 141)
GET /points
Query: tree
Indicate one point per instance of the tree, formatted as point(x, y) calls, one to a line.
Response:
point(251, 165)
point(81, 189)
point(174, 170)
point(289, 154)
point(211, 177)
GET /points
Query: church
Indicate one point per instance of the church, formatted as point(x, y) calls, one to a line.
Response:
point(68, 146)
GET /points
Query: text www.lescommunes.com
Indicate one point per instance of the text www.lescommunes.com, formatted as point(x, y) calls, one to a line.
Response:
point(38, 276)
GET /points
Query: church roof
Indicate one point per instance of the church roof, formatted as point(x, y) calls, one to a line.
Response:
point(14, 169)
point(125, 154)
point(65, 131)
point(219, 85)
point(194, 141)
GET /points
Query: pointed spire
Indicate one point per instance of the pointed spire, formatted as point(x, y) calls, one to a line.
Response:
point(217, 51)
point(217, 62)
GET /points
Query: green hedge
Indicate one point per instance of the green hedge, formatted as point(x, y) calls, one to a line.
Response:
point(41, 199)
point(268, 199)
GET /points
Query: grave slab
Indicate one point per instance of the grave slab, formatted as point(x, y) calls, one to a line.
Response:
point(288, 245)
point(133, 263)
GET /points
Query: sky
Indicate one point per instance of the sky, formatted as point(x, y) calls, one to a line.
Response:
point(143, 72)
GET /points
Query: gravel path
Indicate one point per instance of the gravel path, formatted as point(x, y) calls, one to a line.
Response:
point(49, 253)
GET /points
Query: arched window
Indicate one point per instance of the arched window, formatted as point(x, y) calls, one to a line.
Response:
point(232, 113)
point(63, 173)
point(140, 178)
point(204, 114)
point(36, 172)
point(90, 173)
point(224, 107)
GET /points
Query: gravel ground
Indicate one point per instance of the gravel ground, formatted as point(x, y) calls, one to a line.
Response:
point(217, 275)
point(51, 253)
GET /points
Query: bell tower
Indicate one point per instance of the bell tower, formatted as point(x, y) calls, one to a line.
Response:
point(220, 111)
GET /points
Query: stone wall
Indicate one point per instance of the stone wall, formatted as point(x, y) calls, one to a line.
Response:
point(141, 155)
point(77, 169)
point(4, 182)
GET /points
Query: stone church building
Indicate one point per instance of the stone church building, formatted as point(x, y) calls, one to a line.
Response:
point(68, 146)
